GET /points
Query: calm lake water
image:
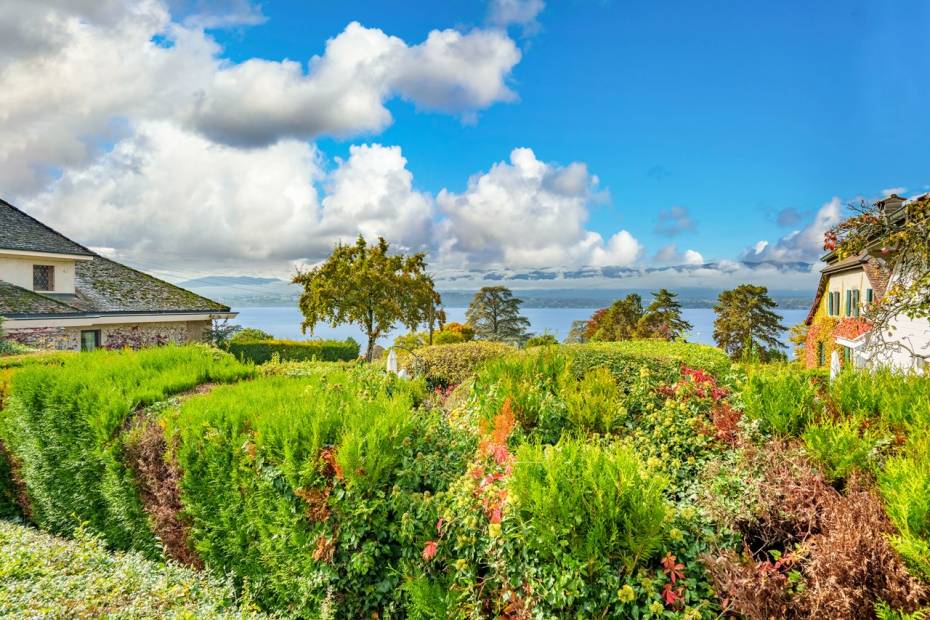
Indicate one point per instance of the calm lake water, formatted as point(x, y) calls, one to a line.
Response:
point(284, 322)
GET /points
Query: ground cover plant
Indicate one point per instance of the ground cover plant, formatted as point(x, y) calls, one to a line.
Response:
point(637, 479)
point(42, 576)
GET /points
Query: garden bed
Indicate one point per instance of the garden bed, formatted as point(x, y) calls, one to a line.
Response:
point(636, 480)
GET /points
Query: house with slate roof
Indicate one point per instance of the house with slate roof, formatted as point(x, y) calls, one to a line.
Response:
point(836, 320)
point(57, 294)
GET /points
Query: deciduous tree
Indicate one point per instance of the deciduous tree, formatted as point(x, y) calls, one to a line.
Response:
point(365, 285)
point(494, 313)
point(746, 325)
point(619, 321)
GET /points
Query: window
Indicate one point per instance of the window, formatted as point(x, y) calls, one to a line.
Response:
point(43, 278)
point(849, 302)
point(869, 296)
point(834, 304)
point(855, 301)
point(820, 353)
point(90, 340)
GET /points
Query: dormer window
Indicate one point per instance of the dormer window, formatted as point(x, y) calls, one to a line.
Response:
point(43, 278)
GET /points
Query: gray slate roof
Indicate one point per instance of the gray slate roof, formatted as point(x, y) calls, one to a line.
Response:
point(102, 286)
point(19, 231)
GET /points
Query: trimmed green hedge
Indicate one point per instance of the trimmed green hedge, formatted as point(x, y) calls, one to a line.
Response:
point(261, 351)
point(664, 359)
point(313, 491)
point(451, 364)
point(64, 425)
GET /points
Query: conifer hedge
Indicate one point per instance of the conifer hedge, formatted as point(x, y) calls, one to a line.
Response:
point(261, 351)
point(64, 426)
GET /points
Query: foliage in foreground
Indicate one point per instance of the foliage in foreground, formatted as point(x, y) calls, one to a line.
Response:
point(46, 577)
point(64, 427)
point(612, 480)
point(312, 491)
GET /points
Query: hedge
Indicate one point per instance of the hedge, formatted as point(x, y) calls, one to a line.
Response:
point(261, 351)
point(64, 426)
point(451, 364)
point(625, 358)
point(313, 491)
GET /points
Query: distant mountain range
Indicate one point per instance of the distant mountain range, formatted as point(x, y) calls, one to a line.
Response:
point(249, 291)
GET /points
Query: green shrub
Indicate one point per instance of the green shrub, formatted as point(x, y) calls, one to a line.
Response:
point(64, 425)
point(451, 364)
point(542, 340)
point(44, 576)
point(783, 398)
point(844, 446)
point(594, 404)
point(259, 352)
point(250, 334)
point(592, 505)
point(904, 484)
point(312, 490)
point(657, 353)
point(895, 399)
point(447, 337)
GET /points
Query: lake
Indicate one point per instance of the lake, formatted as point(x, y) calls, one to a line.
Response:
point(284, 322)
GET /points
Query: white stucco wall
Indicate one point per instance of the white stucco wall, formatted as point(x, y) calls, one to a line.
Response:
point(855, 279)
point(18, 270)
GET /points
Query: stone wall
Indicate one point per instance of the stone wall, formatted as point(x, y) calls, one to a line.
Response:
point(47, 338)
point(127, 335)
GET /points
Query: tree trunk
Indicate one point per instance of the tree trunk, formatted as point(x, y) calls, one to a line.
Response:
point(370, 350)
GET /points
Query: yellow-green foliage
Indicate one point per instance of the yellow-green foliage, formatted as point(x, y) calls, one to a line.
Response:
point(905, 486)
point(589, 502)
point(302, 485)
point(46, 577)
point(782, 398)
point(64, 425)
point(451, 364)
point(845, 445)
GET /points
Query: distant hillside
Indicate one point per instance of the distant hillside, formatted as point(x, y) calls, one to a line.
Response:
point(228, 281)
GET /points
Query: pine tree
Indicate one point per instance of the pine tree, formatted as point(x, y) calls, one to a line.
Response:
point(746, 325)
point(495, 315)
point(663, 318)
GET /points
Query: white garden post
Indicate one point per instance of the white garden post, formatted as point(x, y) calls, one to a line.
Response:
point(392, 362)
point(834, 365)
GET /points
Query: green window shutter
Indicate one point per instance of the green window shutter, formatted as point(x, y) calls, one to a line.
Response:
point(830, 311)
point(869, 295)
point(849, 303)
point(856, 302)
point(820, 356)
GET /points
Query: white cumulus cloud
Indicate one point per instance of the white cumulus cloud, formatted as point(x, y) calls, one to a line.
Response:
point(526, 212)
point(81, 75)
point(804, 245)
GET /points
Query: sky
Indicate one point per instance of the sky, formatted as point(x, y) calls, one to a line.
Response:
point(571, 143)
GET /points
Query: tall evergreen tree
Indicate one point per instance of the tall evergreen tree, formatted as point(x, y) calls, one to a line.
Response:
point(495, 314)
point(662, 318)
point(746, 325)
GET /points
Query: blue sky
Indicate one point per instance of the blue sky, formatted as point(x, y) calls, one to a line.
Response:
point(702, 127)
point(733, 110)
